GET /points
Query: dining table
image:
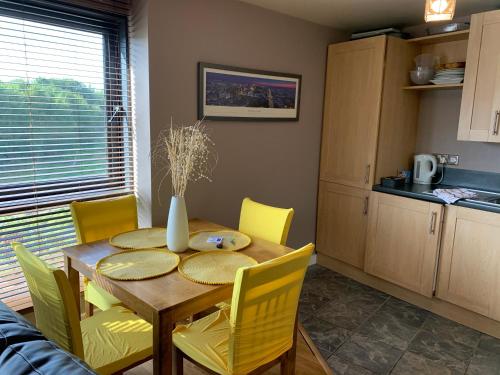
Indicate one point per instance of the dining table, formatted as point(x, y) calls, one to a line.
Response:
point(164, 300)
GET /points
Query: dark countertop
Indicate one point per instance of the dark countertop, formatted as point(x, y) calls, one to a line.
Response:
point(424, 192)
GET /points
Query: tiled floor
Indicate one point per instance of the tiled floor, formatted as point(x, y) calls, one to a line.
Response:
point(362, 331)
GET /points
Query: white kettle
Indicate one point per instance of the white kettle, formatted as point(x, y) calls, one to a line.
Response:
point(424, 169)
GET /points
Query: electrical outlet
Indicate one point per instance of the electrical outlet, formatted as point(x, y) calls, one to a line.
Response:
point(447, 159)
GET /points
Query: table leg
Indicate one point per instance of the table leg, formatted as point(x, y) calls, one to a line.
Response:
point(74, 281)
point(163, 347)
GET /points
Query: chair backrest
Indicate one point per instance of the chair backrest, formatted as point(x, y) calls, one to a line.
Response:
point(264, 309)
point(55, 307)
point(266, 222)
point(101, 219)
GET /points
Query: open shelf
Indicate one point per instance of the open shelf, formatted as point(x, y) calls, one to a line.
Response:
point(440, 38)
point(435, 87)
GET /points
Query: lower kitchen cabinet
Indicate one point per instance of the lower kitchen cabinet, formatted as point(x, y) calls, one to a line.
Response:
point(342, 220)
point(403, 241)
point(469, 274)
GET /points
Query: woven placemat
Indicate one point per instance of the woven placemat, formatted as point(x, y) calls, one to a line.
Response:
point(233, 240)
point(138, 264)
point(140, 239)
point(215, 267)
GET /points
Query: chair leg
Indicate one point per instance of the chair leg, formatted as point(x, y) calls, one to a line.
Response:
point(89, 309)
point(179, 362)
point(287, 365)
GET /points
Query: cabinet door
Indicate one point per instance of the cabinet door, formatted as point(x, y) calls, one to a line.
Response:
point(342, 219)
point(479, 116)
point(403, 241)
point(352, 110)
point(469, 272)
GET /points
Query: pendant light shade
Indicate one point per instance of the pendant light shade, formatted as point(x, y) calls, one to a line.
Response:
point(439, 10)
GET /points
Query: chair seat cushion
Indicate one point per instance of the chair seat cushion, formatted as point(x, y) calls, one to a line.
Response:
point(206, 340)
point(116, 339)
point(97, 296)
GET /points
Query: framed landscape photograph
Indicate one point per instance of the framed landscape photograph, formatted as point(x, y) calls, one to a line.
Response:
point(229, 93)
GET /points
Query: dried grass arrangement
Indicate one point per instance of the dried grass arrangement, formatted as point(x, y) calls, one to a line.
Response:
point(186, 153)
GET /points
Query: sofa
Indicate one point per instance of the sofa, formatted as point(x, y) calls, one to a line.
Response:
point(24, 350)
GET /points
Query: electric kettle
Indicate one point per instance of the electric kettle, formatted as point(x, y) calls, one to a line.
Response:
point(424, 169)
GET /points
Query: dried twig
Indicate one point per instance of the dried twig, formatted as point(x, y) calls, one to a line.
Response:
point(187, 153)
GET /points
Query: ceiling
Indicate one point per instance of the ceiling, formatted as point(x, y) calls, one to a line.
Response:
point(361, 15)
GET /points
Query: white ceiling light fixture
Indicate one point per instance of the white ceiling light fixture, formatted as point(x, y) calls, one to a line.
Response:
point(439, 10)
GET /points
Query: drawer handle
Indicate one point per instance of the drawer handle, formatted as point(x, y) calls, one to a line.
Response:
point(365, 209)
point(432, 229)
point(497, 118)
point(367, 173)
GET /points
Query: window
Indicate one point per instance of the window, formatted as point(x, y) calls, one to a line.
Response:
point(65, 133)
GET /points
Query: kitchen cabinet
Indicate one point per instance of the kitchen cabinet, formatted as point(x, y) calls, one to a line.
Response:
point(469, 273)
point(480, 109)
point(366, 117)
point(353, 95)
point(403, 241)
point(342, 214)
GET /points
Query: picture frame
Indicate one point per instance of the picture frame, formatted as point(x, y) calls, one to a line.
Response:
point(227, 93)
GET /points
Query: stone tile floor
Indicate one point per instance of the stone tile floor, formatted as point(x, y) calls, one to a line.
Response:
point(362, 331)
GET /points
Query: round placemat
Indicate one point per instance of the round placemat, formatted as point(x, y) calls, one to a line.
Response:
point(233, 240)
point(140, 238)
point(138, 264)
point(215, 267)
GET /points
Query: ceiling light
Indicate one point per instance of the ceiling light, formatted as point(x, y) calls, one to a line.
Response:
point(439, 10)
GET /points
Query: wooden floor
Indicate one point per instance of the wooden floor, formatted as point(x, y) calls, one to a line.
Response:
point(307, 363)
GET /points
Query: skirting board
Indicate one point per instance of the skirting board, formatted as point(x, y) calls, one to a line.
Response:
point(437, 306)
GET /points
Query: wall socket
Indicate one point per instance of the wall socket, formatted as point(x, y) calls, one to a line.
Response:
point(447, 159)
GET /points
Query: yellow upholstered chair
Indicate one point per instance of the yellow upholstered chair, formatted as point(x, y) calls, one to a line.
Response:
point(98, 220)
point(109, 342)
point(258, 331)
point(266, 222)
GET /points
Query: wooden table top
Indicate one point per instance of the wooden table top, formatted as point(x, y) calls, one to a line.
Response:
point(169, 291)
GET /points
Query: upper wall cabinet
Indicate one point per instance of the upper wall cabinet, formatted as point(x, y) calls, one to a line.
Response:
point(480, 110)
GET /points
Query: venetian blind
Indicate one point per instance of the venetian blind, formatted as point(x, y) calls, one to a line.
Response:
point(65, 133)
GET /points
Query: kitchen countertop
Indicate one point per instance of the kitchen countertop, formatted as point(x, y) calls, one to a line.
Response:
point(421, 192)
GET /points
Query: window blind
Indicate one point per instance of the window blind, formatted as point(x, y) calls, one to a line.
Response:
point(65, 132)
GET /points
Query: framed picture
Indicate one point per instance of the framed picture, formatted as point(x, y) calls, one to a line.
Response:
point(228, 93)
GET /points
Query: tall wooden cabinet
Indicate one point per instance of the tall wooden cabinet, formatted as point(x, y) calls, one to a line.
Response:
point(369, 130)
point(480, 109)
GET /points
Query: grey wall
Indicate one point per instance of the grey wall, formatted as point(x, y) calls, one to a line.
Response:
point(438, 125)
point(275, 163)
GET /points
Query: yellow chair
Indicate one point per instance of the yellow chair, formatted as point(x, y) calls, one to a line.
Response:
point(262, 221)
point(98, 220)
point(259, 329)
point(109, 342)
point(266, 222)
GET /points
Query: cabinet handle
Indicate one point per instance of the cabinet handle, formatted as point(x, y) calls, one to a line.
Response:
point(495, 127)
point(367, 173)
point(432, 229)
point(365, 209)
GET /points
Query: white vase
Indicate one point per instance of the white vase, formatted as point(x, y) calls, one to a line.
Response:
point(177, 226)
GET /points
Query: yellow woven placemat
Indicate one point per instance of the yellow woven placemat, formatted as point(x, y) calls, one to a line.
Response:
point(138, 264)
point(215, 267)
point(233, 240)
point(140, 239)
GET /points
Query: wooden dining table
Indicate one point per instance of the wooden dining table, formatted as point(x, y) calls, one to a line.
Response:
point(164, 300)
